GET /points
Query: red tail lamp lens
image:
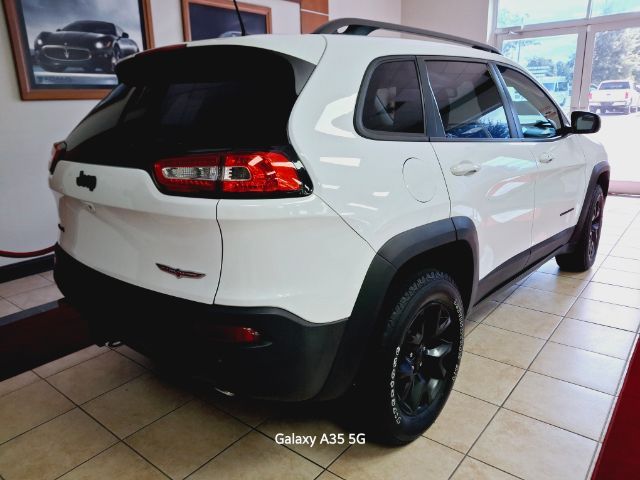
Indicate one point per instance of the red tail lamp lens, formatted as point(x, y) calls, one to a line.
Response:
point(231, 334)
point(626, 95)
point(259, 172)
point(229, 173)
point(57, 150)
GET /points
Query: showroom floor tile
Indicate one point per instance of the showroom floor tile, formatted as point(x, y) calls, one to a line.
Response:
point(539, 377)
point(27, 292)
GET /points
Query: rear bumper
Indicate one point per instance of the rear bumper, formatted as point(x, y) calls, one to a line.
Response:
point(292, 362)
point(616, 104)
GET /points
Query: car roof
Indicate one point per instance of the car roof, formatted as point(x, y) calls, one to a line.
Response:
point(101, 22)
point(311, 46)
point(374, 45)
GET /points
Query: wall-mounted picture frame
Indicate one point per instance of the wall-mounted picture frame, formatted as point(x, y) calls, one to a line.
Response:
point(202, 19)
point(67, 50)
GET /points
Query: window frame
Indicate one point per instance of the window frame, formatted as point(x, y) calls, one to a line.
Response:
point(589, 19)
point(564, 131)
point(433, 127)
point(362, 93)
point(437, 134)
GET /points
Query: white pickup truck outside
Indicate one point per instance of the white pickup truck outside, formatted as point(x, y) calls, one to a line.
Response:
point(615, 96)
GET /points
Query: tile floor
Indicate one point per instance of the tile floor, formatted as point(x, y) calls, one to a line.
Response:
point(27, 292)
point(540, 374)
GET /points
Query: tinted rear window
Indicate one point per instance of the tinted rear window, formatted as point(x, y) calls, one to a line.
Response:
point(239, 112)
point(193, 99)
point(615, 86)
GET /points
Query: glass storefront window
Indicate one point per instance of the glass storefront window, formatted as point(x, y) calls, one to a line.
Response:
point(516, 13)
point(612, 7)
point(551, 60)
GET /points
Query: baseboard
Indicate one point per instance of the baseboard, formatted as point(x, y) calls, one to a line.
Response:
point(26, 268)
point(39, 335)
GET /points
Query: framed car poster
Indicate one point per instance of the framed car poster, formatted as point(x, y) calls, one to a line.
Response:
point(202, 19)
point(67, 49)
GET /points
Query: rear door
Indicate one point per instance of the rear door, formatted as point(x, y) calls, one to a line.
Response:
point(489, 173)
point(561, 179)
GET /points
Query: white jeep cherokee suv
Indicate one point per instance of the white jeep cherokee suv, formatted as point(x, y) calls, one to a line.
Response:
point(302, 216)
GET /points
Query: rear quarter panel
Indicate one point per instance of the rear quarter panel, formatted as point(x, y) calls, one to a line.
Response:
point(362, 179)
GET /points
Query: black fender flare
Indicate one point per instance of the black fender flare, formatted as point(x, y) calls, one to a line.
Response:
point(396, 252)
point(596, 172)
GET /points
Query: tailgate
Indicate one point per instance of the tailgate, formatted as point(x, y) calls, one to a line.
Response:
point(608, 95)
point(179, 103)
point(124, 227)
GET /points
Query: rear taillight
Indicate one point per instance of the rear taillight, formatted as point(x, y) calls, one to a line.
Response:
point(195, 174)
point(626, 95)
point(590, 96)
point(56, 155)
point(232, 174)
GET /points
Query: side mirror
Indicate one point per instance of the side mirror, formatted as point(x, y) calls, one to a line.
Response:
point(125, 35)
point(584, 122)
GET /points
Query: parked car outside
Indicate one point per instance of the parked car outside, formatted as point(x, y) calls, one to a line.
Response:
point(88, 45)
point(615, 96)
point(559, 89)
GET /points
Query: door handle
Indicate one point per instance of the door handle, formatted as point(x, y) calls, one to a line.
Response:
point(465, 168)
point(546, 157)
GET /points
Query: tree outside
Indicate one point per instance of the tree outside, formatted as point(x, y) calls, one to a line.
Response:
point(617, 56)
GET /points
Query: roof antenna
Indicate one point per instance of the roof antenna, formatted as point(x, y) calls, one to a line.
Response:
point(242, 29)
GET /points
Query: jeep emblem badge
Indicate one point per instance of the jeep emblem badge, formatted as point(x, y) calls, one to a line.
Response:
point(86, 181)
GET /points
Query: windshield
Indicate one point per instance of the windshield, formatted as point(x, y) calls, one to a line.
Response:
point(614, 86)
point(91, 27)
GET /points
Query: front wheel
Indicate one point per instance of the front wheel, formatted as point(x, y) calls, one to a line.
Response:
point(113, 60)
point(416, 361)
point(582, 258)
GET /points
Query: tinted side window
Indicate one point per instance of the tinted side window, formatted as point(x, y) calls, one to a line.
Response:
point(468, 100)
point(538, 116)
point(393, 99)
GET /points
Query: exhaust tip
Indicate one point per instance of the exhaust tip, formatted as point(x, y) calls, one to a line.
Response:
point(226, 393)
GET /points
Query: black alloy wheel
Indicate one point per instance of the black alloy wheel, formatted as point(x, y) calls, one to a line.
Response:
point(413, 362)
point(427, 358)
point(596, 226)
point(583, 253)
point(115, 58)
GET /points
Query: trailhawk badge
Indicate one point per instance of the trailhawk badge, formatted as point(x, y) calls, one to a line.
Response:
point(176, 272)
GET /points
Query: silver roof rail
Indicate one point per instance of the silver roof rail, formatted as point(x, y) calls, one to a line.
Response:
point(361, 26)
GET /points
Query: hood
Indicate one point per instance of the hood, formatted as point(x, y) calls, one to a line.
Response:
point(73, 39)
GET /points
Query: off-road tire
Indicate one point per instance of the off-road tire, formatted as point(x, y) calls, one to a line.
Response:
point(582, 257)
point(433, 367)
